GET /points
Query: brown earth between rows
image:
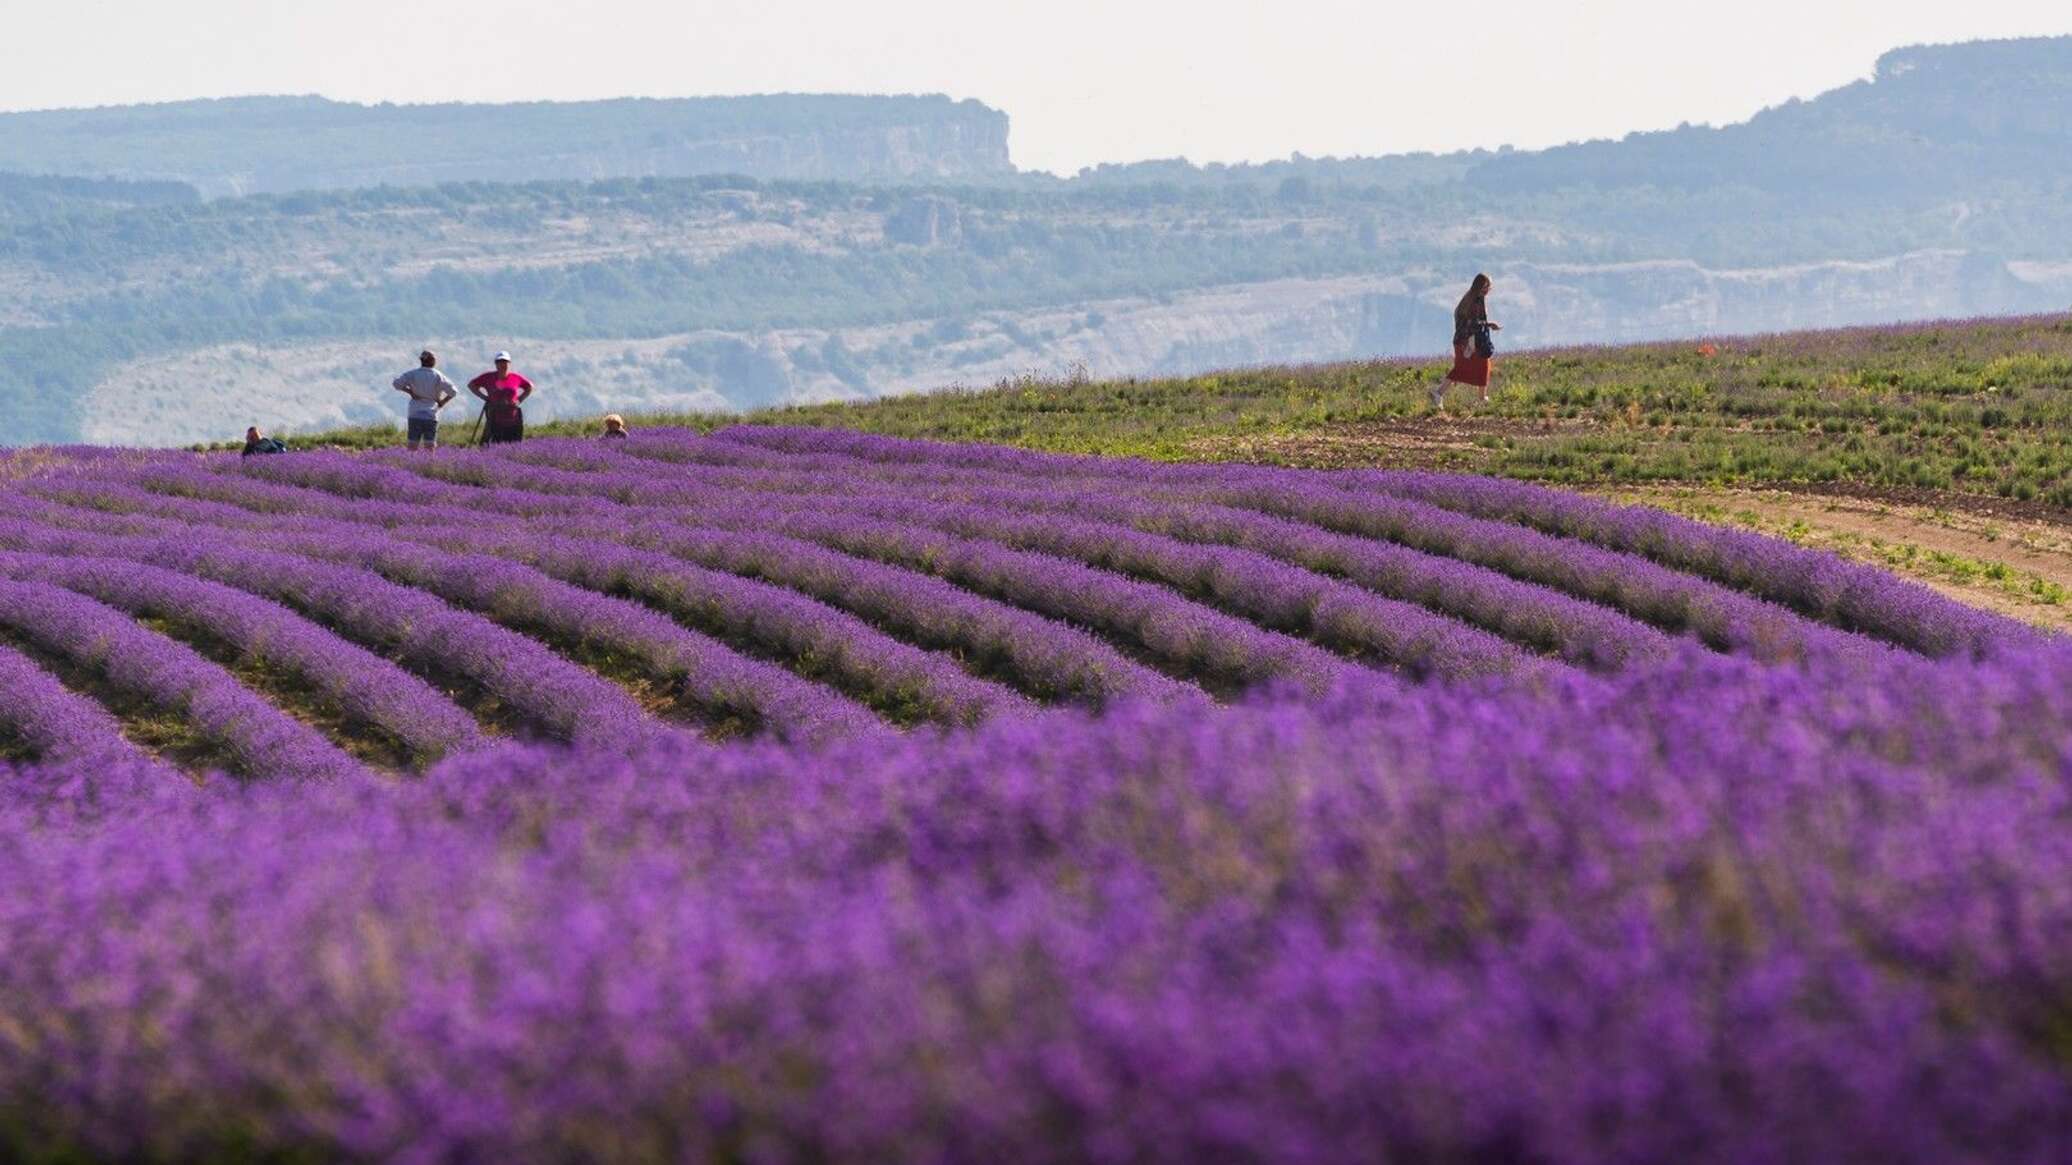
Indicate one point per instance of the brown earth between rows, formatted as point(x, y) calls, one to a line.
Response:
point(1446, 442)
point(2007, 556)
point(2014, 566)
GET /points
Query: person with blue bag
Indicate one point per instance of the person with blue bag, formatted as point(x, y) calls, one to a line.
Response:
point(1474, 347)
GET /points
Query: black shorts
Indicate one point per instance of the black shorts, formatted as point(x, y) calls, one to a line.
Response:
point(424, 429)
point(498, 432)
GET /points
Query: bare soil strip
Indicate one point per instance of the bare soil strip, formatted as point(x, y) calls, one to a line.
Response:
point(1458, 443)
point(2007, 556)
point(170, 736)
point(2015, 566)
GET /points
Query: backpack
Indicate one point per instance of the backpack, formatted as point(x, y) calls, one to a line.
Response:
point(1484, 341)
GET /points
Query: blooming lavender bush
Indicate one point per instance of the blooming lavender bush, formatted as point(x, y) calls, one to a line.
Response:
point(1681, 914)
point(169, 676)
point(376, 694)
point(52, 721)
point(1047, 809)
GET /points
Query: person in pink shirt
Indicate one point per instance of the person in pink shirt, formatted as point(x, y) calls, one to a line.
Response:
point(502, 392)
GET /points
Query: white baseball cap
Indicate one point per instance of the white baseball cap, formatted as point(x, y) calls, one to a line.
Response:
point(500, 356)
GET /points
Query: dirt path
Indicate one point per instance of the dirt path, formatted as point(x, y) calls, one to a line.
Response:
point(2016, 566)
point(1457, 442)
point(2006, 556)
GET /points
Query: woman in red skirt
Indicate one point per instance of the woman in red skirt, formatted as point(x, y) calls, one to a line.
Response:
point(1471, 361)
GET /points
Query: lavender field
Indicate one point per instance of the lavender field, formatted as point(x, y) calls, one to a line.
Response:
point(789, 794)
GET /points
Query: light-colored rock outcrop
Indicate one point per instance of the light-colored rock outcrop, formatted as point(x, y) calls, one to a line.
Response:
point(214, 393)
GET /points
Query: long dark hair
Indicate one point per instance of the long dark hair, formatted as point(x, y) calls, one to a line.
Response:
point(1476, 293)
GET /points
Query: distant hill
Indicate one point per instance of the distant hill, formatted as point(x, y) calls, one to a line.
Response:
point(255, 145)
point(142, 313)
point(1931, 121)
point(35, 198)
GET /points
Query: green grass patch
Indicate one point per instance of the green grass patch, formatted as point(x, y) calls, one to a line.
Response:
point(166, 733)
point(1975, 408)
point(369, 743)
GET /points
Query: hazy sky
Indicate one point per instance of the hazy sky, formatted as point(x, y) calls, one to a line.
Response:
point(1084, 80)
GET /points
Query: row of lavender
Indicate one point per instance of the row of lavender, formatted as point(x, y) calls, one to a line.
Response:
point(1735, 591)
point(1542, 591)
point(1712, 911)
point(355, 580)
point(902, 582)
point(54, 723)
point(1815, 584)
point(138, 661)
point(1617, 897)
point(1252, 541)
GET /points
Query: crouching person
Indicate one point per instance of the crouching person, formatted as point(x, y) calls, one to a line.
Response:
point(258, 444)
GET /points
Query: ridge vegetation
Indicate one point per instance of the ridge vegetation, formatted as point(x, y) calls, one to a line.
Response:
point(1960, 409)
point(129, 309)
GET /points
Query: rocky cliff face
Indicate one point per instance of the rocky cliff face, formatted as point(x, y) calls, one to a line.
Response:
point(213, 394)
